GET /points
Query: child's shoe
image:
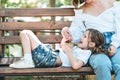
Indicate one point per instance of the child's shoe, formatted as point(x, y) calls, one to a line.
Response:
point(22, 64)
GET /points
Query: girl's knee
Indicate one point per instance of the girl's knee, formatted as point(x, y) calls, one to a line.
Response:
point(24, 32)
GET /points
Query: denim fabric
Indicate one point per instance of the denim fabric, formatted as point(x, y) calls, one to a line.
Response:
point(103, 65)
point(108, 36)
point(43, 56)
point(116, 64)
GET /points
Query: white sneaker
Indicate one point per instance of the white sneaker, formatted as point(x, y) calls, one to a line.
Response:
point(22, 64)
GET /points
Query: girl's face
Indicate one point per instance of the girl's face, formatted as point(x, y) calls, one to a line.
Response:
point(84, 41)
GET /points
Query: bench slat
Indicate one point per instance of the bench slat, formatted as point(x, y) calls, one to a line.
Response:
point(45, 39)
point(8, 60)
point(33, 25)
point(37, 12)
point(6, 71)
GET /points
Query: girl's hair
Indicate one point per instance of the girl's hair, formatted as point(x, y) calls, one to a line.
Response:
point(77, 2)
point(99, 40)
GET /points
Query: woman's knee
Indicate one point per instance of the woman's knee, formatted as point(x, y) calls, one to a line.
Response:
point(116, 61)
point(100, 61)
point(116, 57)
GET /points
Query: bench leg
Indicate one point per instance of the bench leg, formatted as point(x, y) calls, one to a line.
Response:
point(82, 77)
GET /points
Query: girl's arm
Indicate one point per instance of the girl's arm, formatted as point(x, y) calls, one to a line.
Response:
point(66, 36)
point(75, 63)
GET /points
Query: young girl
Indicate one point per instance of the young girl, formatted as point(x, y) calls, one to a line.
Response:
point(43, 56)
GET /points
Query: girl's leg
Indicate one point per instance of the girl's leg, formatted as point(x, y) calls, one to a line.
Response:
point(116, 64)
point(101, 65)
point(29, 42)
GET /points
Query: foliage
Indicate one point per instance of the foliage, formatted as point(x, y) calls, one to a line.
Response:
point(58, 3)
point(32, 4)
point(67, 2)
point(4, 1)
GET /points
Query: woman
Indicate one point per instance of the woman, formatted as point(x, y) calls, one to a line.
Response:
point(105, 14)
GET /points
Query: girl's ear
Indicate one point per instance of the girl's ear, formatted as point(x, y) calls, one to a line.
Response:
point(91, 44)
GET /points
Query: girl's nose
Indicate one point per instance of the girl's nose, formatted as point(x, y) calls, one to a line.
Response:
point(81, 37)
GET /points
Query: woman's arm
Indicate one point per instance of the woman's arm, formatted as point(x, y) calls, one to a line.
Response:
point(116, 37)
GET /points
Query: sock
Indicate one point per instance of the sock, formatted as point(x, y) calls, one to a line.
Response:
point(28, 57)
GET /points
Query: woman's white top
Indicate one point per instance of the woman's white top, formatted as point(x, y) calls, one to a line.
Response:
point(107, 21)
point(78, 53)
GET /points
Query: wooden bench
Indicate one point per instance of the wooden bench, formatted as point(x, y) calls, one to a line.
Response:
point(36, 26)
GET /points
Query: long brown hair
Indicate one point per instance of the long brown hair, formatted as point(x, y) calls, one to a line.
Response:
point(99, 40)
point(77, 2)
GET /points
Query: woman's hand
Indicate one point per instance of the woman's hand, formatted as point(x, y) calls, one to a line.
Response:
point(112, 50)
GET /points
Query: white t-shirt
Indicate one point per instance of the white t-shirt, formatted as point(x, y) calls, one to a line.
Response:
point(78, 53)
point(107, 21)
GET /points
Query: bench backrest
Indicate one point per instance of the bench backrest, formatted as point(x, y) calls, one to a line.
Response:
point(39, 26)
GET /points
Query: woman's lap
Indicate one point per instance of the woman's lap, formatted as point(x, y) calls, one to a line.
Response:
point(101, 65)
point(115, 59)
point(99, 60)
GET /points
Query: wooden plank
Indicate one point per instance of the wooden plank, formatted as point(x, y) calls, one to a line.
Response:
point(37, 12)
point(8, 60)
point(51, 39)
point(6, 71)
point(33, 25)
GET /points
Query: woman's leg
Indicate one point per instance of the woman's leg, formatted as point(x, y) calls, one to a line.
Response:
point(115, 59)
point(101, 65)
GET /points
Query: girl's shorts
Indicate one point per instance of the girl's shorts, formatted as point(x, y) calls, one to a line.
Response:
point(43, 56)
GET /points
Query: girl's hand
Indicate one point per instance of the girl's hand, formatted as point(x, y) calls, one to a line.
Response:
point(63, 41)
point(66, 34)
point(67, 49)
point(112, 50)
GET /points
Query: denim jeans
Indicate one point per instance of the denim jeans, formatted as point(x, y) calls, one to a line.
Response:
point(103, 65)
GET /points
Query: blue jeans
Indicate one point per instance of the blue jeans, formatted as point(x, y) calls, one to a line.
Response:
point(103, 65)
